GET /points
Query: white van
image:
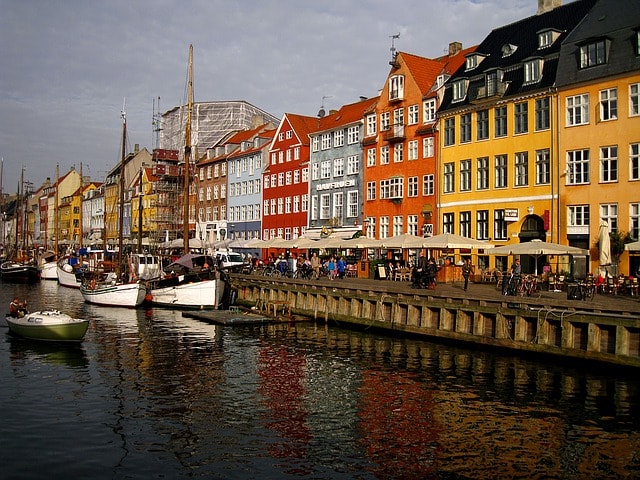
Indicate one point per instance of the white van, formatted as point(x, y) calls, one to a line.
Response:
point(229, 260)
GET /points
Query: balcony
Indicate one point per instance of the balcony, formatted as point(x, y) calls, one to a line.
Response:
point(394, 134)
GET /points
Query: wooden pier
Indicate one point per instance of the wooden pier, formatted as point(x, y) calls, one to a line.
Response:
point(606, 329)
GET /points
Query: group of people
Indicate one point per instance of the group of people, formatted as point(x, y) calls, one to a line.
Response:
point(424, 273)
point(18, 309)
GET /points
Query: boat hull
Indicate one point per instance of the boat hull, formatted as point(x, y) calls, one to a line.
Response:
point(68, 279)
point(14, 272)
point(114, 295)
point(49, 271)
point(200, 294)
point(49, 326)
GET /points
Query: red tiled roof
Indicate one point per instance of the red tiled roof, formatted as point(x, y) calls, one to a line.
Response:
point(347, 114)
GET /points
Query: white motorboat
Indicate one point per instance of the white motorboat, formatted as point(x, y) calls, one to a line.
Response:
point(48, 325)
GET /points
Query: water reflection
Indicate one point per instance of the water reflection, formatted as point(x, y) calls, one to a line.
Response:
point(152, 393)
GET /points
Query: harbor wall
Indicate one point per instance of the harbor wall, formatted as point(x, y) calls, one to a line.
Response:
point(514, 323)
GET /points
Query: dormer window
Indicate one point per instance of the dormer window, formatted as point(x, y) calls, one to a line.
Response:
point(594, 53)
point(508, 49)
point(396, 87)
point(547, 37)
point(473, 60)
point(533, 70)
point(442, 78)
point(459, 90)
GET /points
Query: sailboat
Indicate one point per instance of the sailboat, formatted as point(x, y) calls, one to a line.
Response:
point(108, 288)
point(192, 281)
point(21, 268)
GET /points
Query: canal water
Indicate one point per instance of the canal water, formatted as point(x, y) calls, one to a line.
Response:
point(150, 394)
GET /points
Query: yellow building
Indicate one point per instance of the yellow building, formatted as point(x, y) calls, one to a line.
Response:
point(599, 131)
point(497, 127)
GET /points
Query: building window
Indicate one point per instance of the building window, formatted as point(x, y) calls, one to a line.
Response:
point(593, 54)
point(353, 165)
point(499, 225)
point(634, 161)
point(634, 99)
point(449, 174)
point(398, 153)
point(543, 167)
point(392, 188)
point(449, 131)
point(315, 172)
point(521, 117)
point(371, 125)
point(412, 187)
point(459, 90)
point(482, 182)
point(501, 171)
point(465, 128)
point(533, 71)
point(522, 169)
point(578, 110)
point(396, 87)
point(577, 167)
point(609, 164)
point(412, 224)
point(385, 121)
point(465, 224)
point(465, 175)
point(338, 167)
point(352, 204)
point(338, 138)
point(338, 205)
point(398, 225)
point(325, 206)
point(482, 224)
point(384, 227)
point(325, 169)
point(501, 121)
point(427, 185)
point(609, 214)
point(384, 155)
point(428, 148)
point(326, 141)
point(413, 112)
point(429, 111)
point(353, 135)
point(447, 223)
point(482, 125)
point(608, 104)
point(371, 190)
point(542, 114)
point(412, 148)
point(634, 220)
point(371, 157)
point(578, 215)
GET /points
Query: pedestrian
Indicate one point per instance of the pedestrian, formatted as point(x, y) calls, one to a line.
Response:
point(331, 266)
point(467, 268)
point(341, 267)
point(315, 265)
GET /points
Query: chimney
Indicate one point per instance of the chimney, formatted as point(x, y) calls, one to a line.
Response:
point(455, 48)
point(136, 148)
point(545, 6)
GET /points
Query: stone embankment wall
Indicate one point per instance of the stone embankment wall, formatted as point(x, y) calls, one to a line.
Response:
point(508, 323)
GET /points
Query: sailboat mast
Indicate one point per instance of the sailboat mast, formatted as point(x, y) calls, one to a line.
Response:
point(81, 234)
point(120, 211)
point(187, 154)
point(56, 225)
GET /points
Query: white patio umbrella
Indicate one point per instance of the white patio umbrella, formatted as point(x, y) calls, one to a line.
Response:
point(404, 241)
point(604, 243)
point(452, 241)
point(633, 246)
point(537, 248)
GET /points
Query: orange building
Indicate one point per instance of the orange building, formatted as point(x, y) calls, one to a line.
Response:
point(399, 146)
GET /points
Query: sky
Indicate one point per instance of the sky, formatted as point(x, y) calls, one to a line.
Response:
point(68, 66)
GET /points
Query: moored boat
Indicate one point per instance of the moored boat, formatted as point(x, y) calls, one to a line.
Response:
point(110, 293)
point(48, 325)
point(18, 272)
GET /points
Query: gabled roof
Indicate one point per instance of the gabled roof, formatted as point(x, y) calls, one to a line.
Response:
point(347, 114)
point(523, 35)
point(301, 125)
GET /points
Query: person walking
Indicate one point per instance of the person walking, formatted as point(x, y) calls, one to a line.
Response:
point(467, 268)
